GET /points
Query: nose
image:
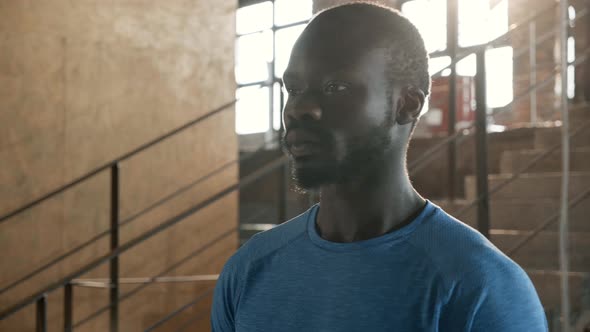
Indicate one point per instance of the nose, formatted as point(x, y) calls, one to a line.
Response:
point(301, 108)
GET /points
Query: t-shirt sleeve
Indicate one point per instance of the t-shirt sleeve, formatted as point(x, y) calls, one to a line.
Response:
point(225, 298)
point(498, 298)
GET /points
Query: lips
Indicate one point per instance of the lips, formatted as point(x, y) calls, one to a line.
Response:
point(303, 149)
point(302, 143)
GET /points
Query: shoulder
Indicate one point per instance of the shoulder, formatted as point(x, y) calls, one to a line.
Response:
point(266, 243)
point(486, 290)
point(231, 281)
point(456, 249)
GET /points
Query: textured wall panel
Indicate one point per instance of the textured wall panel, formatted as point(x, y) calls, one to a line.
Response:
point(82, 82)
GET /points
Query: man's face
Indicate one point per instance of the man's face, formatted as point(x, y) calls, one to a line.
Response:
point(339, 114)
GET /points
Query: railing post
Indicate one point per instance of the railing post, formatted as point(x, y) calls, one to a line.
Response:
point(481, 147)
point(565, 170)
point(41, 320)
point(533, 69)
point(68, 307)
point(114, 266)
point(452, 13)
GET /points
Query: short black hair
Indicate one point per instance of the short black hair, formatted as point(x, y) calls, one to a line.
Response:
point(408, 58)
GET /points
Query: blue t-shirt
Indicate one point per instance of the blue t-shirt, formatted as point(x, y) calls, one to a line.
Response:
point(434, 274)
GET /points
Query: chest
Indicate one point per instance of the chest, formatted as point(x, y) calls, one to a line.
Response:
point(341, 297)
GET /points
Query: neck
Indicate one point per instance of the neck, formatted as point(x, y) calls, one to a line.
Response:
point(369, 206)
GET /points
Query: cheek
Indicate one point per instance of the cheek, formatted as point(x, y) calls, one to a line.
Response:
point(340, 146)
point(346, 112)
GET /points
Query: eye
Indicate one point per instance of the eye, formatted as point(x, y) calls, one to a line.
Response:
point(335, 87)
point(293, 92)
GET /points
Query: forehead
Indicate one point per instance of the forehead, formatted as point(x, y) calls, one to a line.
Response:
point(370, 63)
point(321, 52)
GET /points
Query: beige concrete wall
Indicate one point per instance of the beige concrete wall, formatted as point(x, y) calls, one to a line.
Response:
point(82, 82)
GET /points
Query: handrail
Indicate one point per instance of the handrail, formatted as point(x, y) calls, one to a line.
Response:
point(248, 180)
point(551, 219)
point(105, 282)
point(125, 222)
point(269, 167)
point(418, 164)
point(121, 158)
point(168, 269)
point(459, 136)
point(129, 219)
point(525, 168)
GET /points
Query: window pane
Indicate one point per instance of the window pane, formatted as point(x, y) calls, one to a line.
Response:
point(478, 23)
point(290, 11)
point(430, 17)
point(467, 66)
point(284, 39)
point(571, 82)
point(252, 110)
point(254, 18)
point(499, 76)
point(436, 64)
point(253, 53)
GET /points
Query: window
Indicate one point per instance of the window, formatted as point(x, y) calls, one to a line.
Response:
point(266, 33)
point(430, 17)
point(479, 22)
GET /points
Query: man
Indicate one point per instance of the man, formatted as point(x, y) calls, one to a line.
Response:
point(373, 255)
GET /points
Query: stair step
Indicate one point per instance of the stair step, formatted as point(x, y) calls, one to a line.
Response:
point(579, 113)
point(512, 161)
point(530, 186)
point(548, 286)
point(522, 214)
point(541, 253)
point(550, 136)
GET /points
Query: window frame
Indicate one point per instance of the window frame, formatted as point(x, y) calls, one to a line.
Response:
point(451, 49)
point(269, 136)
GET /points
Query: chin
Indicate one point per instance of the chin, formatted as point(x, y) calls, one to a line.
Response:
point(310, 176)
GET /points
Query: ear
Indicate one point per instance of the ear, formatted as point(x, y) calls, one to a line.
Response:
point(409, 104)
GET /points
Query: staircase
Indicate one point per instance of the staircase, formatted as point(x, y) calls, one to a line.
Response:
point(523, 205)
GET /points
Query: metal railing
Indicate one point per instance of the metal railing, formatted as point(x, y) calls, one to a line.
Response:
point(116, 249)
point(40, 296)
